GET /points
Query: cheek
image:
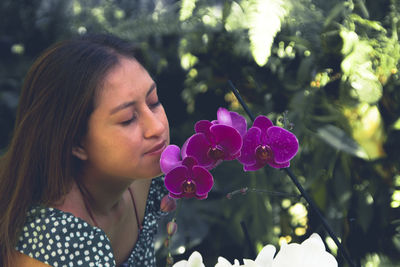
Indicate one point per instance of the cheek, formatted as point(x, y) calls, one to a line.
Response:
point(107, 143)
point(165, 122)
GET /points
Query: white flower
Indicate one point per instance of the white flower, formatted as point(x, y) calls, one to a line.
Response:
point(195, 260)
point(222, 262)
point(264, 259)
point(310, 253)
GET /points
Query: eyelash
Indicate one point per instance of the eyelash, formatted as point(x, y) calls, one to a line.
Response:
point(126, 123)
point(155, 105)
point(152, 106)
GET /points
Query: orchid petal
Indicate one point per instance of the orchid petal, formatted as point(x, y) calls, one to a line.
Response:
point(200, 197)
point(283, 143)
point(222, 262)
point(288, 255)
point(214, 164)
point(311, 253)
point(233, 156)
point(227, 137)
point(224, 117)
point(250, 141)
point(203, 179)
point(183, 149)
point(189, 162)
point(197, 147)
point(266, 256)
point(315, 244)
point(263, 123)
point(250, 263)
point(279, 165)
point(203, 126)
point(254, 167)
point(175, 178)
point(189, 195)
point(170, 158)
point(239, 123)
point(195, 260)
point(172, 195)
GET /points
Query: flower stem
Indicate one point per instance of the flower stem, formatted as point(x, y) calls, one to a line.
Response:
point(170, 259)
point(304, 194)
point(240, 99)
point(247, 237)
point(314, 207)
point(245, 190)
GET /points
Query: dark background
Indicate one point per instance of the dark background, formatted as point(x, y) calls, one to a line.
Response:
point(333, 66)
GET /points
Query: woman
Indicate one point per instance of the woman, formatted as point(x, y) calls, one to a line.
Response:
point(76, 182)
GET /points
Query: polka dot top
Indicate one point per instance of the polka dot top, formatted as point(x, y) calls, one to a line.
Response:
point(60, 239)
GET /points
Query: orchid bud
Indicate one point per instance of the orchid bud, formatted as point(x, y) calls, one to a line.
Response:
point(170, 260)
point(244, 190)
point(166, 242)
point(172, 227)
point(168, 204)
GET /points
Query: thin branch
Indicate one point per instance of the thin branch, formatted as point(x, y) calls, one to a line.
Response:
point(304, 194)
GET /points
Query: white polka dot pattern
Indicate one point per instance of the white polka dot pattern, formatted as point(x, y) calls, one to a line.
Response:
point(62, 240)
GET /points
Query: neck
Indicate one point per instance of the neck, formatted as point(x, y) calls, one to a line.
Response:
point(104, 195)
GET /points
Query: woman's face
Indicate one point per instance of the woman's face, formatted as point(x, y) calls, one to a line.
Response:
point(128, 129)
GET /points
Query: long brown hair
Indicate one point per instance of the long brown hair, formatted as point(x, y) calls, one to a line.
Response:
point(56, 101)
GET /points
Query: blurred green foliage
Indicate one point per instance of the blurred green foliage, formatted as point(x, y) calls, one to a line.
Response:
point(333, 65)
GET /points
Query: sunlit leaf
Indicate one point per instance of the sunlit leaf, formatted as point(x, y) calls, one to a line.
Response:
point(338, 139)
point(186, 11)
point(265, 22)
point(366, 85)
point(396, 125)
point(368, 23)
point(335, 12)
point(350, 39)
point(188, 60)
point(98, 13)
point(236, 19)
point(358, 69)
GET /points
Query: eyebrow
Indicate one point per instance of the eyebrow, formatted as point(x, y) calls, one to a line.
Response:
point(131, 103)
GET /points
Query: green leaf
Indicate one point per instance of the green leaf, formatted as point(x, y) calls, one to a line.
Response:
point(358, 68)
point(366, 86)
point(338, 139)
point(375, 25)
point(265, 22)
point(186, 11)
point(335, 12)
point(396, 125)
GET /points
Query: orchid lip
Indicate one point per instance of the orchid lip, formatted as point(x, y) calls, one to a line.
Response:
point(157, 148)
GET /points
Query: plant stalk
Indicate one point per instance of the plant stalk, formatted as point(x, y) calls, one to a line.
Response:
point(304, 194)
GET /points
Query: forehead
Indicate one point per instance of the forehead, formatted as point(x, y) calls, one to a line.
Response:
point(126, 81)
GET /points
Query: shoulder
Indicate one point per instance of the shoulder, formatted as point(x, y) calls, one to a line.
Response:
point(22, 260)
point(58, 238)
point(143, 253)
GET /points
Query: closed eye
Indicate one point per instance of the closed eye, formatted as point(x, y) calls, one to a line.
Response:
point(155, 105)
point(131, 120)
point(127, 122)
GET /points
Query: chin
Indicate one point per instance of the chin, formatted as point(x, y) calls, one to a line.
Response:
point(154, 174)
point(158, 174)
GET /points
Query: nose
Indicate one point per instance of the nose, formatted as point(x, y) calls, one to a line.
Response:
point(154, 123)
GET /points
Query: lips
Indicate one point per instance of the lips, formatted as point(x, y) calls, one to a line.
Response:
point(157, 148)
